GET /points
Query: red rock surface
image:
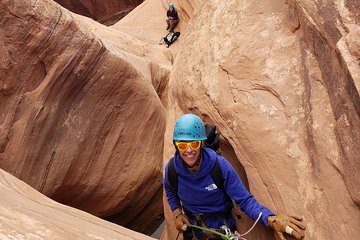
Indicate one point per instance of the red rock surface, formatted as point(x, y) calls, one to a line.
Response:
point(104, 11)
point(281, 82)
point(80, 120)
point(27, 214)
point(82, 111)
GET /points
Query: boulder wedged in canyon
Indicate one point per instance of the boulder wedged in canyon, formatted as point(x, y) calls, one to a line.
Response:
point(28, 214)
point(281, 83)
point(80, 118)
point(104, 11)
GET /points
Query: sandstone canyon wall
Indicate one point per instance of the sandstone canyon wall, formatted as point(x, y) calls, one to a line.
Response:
point(27, 214)
point(147, 22)
point(83, 105)
point(80, 118)
point(281, 82)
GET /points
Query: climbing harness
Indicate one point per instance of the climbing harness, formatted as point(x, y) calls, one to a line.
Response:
point(227, 232)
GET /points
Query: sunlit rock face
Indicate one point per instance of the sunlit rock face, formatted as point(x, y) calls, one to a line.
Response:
point(281, 83)
point(28, 214)
point(80, 119)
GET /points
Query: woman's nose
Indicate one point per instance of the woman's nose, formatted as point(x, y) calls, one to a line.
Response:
point(188, 149)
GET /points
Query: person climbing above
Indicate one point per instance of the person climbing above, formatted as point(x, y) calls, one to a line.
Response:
point(198, 198)
point(172, 18)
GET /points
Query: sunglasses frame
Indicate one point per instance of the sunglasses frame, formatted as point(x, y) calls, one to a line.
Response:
point(188, 144)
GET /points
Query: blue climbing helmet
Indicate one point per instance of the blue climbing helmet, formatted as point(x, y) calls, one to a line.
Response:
point(189, 127)
point(171, 5)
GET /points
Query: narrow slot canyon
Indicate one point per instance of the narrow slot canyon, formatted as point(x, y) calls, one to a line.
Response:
point(89, 98)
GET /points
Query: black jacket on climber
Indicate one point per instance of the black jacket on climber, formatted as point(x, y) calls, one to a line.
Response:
point(172, 14)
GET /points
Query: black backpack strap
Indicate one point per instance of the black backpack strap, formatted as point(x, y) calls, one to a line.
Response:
point(172, 176)
point(215, 173)
point(219, 180)
point(217, 176)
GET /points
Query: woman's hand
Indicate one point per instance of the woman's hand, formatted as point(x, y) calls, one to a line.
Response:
point(181, 220)
point(291, 224)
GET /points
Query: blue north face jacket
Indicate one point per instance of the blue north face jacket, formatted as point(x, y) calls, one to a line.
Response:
point(199, 194)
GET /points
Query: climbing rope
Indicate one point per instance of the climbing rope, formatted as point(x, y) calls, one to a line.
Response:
point(241, 236)
point(228, 235)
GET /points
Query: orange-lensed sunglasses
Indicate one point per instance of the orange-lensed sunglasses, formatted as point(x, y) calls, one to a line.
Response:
point(182, 146)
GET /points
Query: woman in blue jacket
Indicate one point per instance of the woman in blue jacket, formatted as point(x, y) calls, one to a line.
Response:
point(198, 200)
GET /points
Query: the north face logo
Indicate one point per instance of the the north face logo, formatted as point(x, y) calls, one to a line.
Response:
point(211, 187)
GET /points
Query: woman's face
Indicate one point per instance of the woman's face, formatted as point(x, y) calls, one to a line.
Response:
point(190, 156)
